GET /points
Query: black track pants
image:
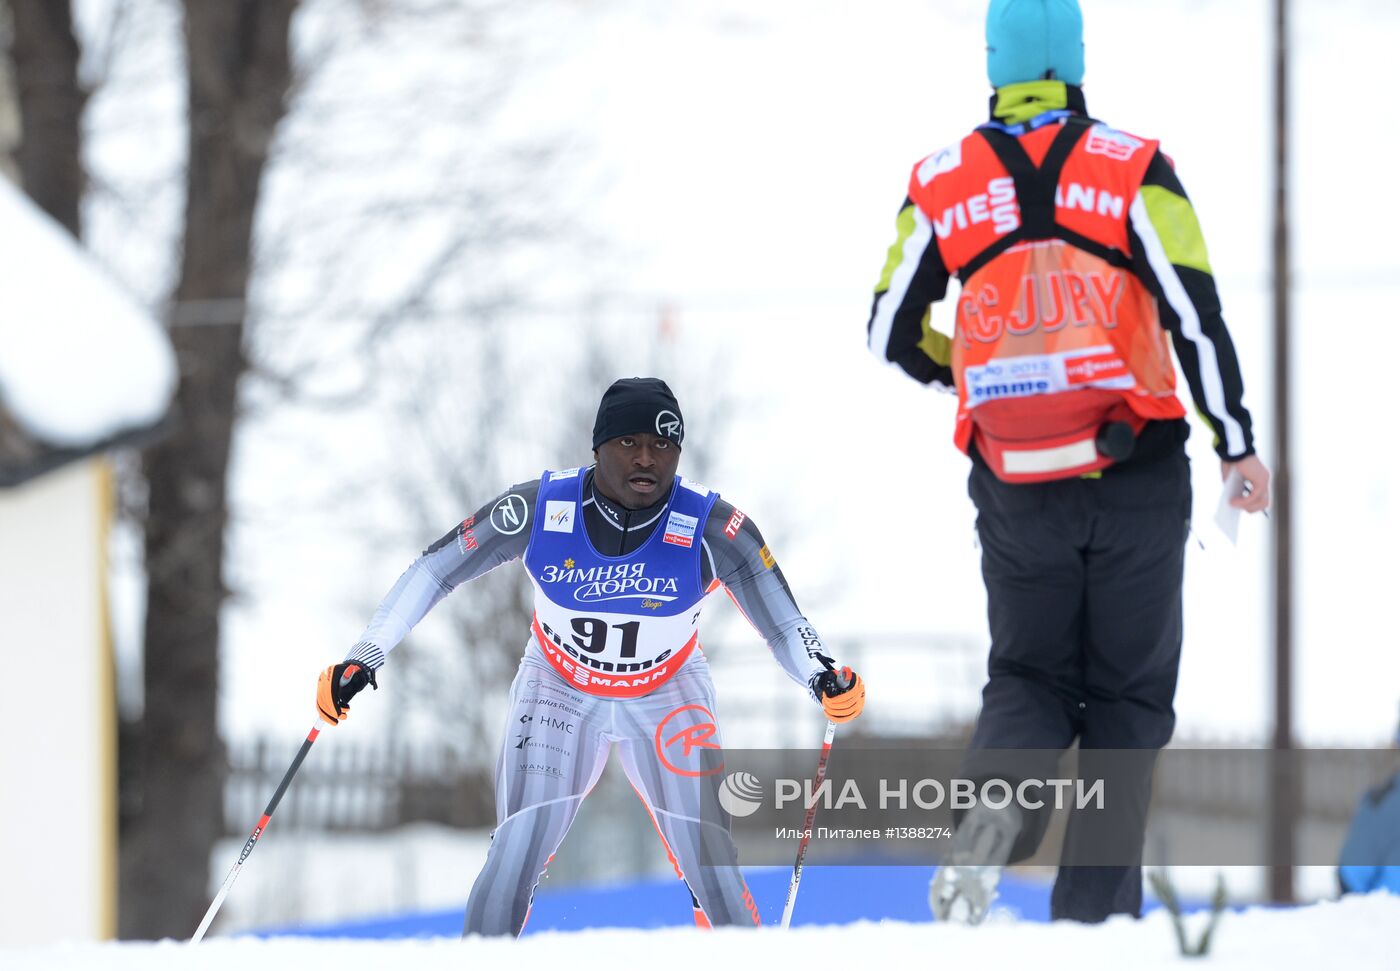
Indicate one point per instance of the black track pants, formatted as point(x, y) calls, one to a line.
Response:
point(1083, 584)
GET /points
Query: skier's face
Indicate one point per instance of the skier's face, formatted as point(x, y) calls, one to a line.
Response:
point(636, 470)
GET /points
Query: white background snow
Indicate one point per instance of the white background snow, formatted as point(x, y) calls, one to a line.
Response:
point(81, 362)
point(1357, 933)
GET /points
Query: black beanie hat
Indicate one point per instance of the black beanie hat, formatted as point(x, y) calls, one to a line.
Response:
point(633, 405)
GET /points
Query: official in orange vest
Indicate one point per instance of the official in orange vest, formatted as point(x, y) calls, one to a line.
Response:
point(1081, 266)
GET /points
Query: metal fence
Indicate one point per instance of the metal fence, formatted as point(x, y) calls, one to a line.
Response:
point(370, 785)
point(360, 786)
point(924, 692)
point(375, 786)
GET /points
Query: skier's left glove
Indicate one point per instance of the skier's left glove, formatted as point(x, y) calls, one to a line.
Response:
point(337, 685)
point(842, 694)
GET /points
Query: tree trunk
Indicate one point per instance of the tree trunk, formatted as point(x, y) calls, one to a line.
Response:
point(239, 75)
point(51, 100)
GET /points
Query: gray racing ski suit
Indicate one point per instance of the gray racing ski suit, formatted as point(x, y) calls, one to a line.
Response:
point(575, 697)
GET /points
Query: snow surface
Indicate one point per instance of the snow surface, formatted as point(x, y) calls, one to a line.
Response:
point(414, 868)
point(79, 363)
point(1355, 933)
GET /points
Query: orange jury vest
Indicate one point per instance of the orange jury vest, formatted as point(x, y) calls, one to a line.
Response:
point(1056, 340)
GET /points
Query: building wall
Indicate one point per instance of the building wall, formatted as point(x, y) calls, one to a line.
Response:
point(57, 710)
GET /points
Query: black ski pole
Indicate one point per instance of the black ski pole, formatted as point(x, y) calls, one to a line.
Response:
point(257, 832)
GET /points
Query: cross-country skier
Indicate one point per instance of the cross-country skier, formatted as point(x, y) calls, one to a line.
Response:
point(1081, 264)
point(621, 556)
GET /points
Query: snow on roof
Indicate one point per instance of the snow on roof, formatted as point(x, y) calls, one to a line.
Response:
point(80, 363)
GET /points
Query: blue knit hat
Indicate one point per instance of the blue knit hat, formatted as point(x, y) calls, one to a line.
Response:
point(1027, 38)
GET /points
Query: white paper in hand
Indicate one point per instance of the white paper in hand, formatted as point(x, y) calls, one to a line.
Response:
point(1227, 517)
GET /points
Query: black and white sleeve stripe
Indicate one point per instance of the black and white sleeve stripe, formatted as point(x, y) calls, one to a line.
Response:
point(913, 278)
point(1169, 255)
point(367, 654)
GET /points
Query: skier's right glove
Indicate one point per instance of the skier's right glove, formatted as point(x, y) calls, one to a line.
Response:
point(842, 694)
point(337, 685)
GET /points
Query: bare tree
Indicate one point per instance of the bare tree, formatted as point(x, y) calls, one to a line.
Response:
point(240, 71)
point(44, 55)
point(224, 330)
point(415, 248)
